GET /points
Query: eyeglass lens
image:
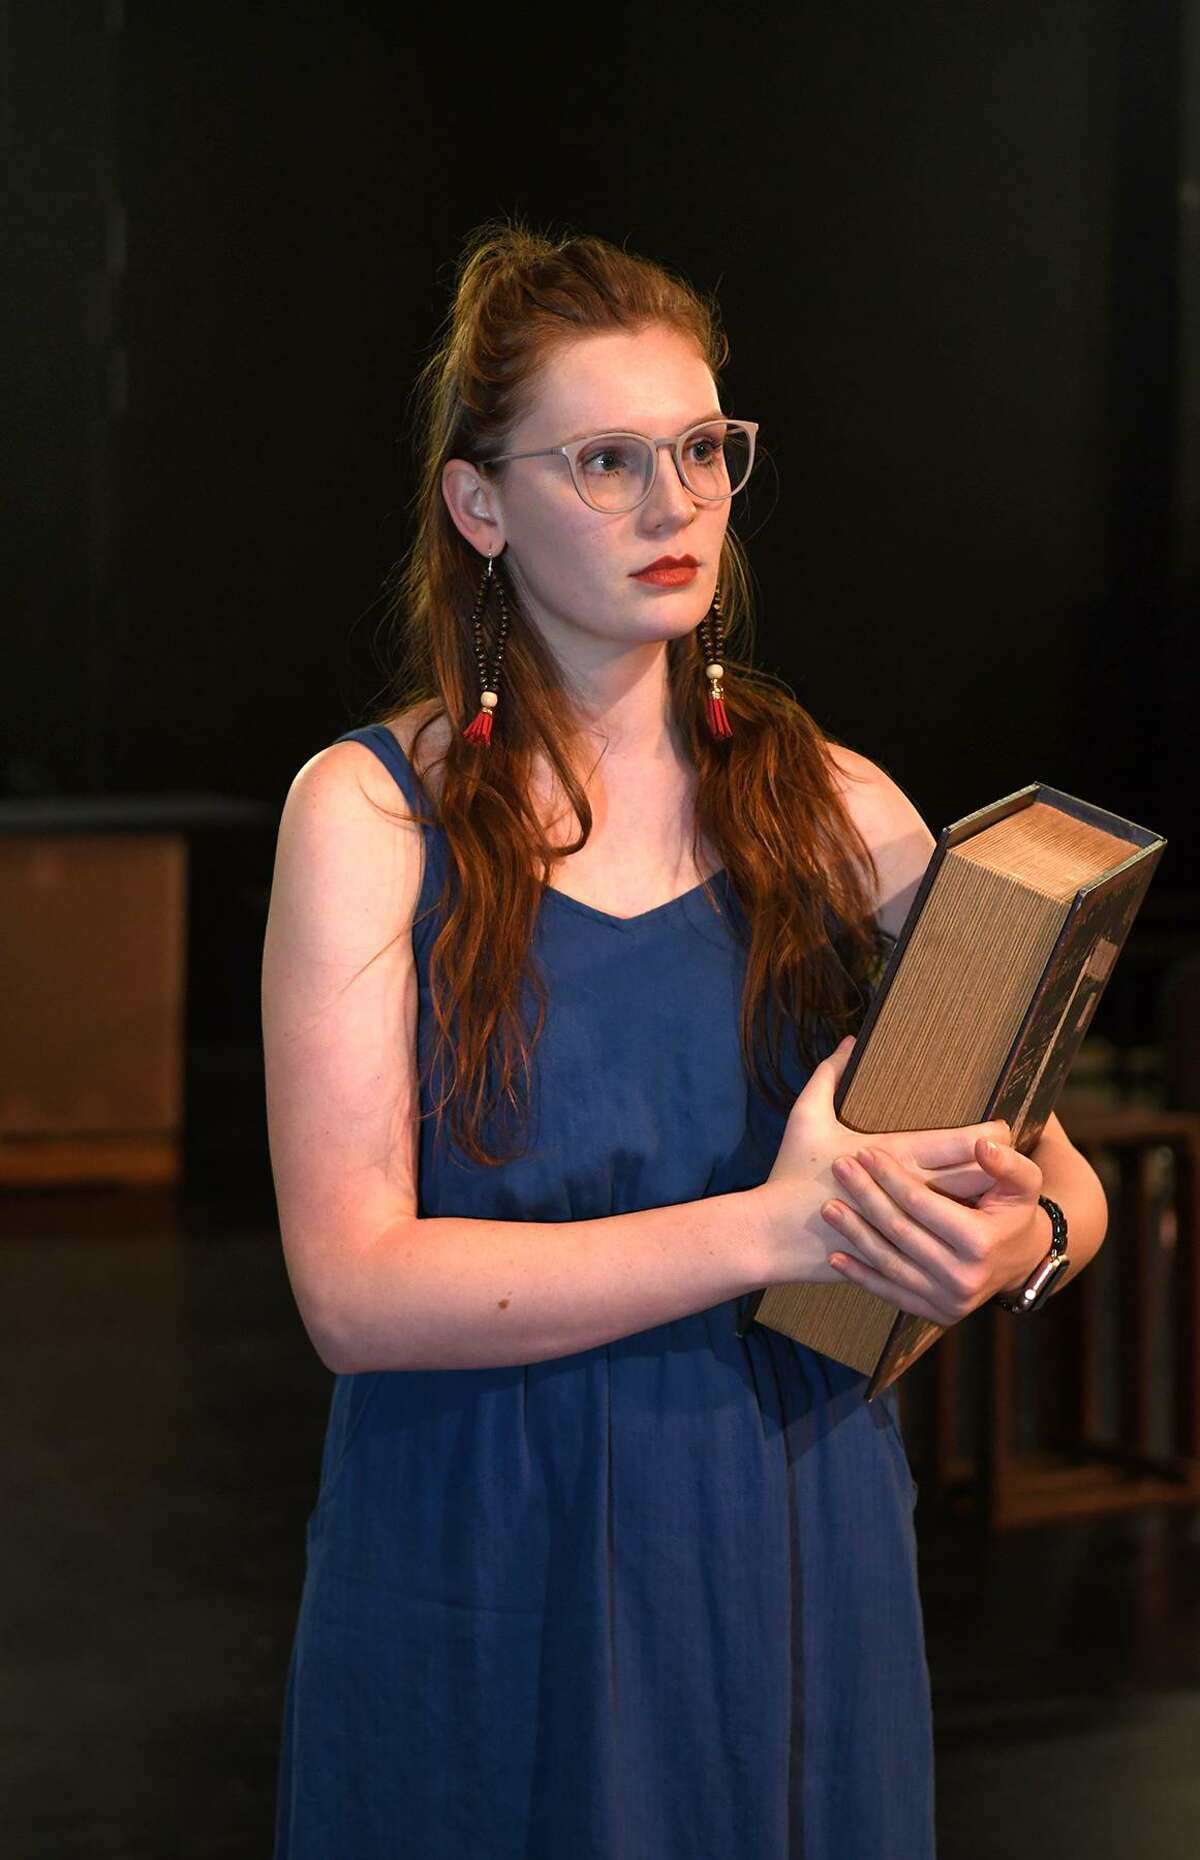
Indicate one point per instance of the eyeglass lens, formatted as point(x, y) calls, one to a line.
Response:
point(614, 471)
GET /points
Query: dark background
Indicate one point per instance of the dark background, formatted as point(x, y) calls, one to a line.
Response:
point(958, 253)
point(956, 249)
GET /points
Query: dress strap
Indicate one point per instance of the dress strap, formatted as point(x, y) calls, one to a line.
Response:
point(378, 738)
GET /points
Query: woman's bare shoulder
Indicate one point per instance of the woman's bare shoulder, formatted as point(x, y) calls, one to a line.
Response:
point(878, 805)
point(897, 837)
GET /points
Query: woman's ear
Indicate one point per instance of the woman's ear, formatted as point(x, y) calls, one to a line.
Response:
point(472, 506)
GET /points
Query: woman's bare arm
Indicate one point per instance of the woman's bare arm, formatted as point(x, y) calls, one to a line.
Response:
point(449, 1293)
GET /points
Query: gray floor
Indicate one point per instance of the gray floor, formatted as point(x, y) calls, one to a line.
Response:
point(164, 1414)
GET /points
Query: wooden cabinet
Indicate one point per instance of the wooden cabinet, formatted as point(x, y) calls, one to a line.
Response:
point(94, 914)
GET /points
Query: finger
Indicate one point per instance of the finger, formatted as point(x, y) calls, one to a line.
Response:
point(883, 1187)
point(871, 1281)
point(927, 1228)
point(874, 1249)
point(895, 1241)
point(1013, 1176)
point(966, 1183)
point(936, 1149)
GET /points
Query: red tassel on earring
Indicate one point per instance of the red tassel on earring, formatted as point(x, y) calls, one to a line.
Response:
point(711, 636)
point(480, 729)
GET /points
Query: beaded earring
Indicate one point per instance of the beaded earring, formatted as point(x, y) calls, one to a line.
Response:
point(712, 641)
point(479, 730)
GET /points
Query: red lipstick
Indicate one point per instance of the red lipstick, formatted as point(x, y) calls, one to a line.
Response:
point(670, 571)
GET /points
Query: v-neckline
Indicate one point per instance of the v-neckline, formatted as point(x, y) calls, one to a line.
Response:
point(639, 917)
point(552, 891)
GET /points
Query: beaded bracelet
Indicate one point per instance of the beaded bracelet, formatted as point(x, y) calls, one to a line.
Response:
point(1036, 1288)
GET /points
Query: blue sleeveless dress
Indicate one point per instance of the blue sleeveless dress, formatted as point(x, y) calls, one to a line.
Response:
point(657, 1600)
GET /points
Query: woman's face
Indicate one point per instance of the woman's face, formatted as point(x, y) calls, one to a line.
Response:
point(573, 568)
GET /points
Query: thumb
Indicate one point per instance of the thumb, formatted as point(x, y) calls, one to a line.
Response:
point(837, 1060)
point(835, 1063)
point(1006, 1167)
point(822, 1080)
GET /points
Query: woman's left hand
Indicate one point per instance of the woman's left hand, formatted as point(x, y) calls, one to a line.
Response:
point(901, 1233)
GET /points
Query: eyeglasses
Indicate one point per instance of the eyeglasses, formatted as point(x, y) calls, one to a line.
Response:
point(615, 472)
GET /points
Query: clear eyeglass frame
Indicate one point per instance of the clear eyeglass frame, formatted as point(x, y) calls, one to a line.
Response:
point(573, 451)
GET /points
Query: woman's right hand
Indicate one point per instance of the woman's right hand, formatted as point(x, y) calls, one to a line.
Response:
point(798, 1240)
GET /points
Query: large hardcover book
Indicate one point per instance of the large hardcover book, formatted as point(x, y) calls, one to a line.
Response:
point(1005, 952)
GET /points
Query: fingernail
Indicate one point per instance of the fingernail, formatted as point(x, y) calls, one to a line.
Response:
point(867, 1158)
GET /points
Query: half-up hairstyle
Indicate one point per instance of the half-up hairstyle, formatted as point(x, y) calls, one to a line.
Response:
point(767, 799)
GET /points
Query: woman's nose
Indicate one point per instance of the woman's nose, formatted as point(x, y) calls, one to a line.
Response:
point(669, 496)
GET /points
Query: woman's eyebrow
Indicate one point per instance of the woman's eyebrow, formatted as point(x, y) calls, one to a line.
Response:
point(598, 432)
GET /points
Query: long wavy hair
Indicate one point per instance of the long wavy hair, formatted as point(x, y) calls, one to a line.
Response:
point(766, 799)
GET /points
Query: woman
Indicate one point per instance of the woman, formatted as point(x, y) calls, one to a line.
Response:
point(589, 1574)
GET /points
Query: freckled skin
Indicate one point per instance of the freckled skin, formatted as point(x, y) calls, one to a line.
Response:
point(503, 1304)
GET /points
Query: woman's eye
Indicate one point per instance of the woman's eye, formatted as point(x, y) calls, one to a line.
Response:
point(606, 460)
point(704, 451)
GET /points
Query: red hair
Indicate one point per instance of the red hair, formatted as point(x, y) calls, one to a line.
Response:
point(767, 800)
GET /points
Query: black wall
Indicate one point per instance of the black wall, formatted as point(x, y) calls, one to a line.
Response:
point(955, 252)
